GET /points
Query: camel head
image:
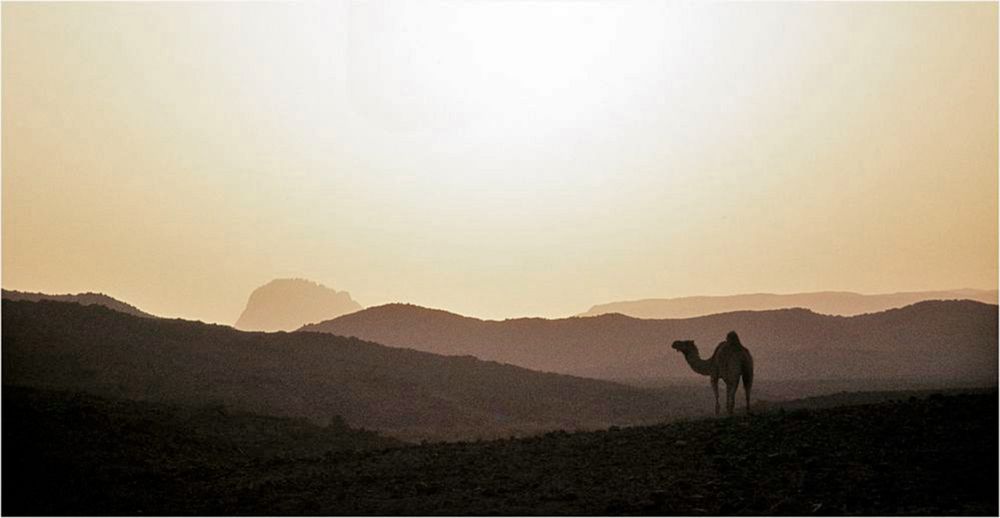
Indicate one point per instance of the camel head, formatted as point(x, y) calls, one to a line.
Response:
point(684, 346)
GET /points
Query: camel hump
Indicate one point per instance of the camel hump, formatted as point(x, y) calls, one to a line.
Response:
point(734, 339)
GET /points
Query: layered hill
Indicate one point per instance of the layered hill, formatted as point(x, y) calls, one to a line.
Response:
point(841, 303)
point(929, 341)
point(85, 299)
point(406, 393)
point(287, 304)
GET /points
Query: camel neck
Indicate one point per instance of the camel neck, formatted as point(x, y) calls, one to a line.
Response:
point(703, 367)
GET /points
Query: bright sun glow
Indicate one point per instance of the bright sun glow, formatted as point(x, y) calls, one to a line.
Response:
point(506, 86)
point(528, 67)
point(507, 65)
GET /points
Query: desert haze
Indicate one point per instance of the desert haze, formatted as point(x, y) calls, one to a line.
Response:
point(608, 257)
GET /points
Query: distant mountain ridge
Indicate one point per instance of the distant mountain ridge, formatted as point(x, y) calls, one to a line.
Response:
point(84, 299)
point(408, 394)
point(946, 340)
point(287, 304)
point(841, 303)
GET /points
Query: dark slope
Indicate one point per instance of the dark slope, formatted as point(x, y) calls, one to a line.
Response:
point(841, 303)
point(935, 340)
point(84, 299)
point(933, 456)
point(287, 304)
point(79, 454)
point(406, 393)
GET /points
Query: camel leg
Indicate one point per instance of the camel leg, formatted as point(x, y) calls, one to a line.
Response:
point(746, 391)
point(715, 388)
point(731, 397)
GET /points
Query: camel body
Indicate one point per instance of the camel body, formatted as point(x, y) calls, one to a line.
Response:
point(731, 362)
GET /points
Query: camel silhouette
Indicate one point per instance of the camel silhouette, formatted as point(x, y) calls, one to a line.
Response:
point(731, 361)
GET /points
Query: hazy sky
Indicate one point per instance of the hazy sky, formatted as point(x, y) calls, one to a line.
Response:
point(497, 159)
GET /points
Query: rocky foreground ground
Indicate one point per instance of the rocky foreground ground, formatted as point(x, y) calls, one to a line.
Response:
point(80, 455)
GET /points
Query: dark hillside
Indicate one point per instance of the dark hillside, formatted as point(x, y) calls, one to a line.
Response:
point(401, 392)
point(914, 456)
point(81, 454)
point(84, 299)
